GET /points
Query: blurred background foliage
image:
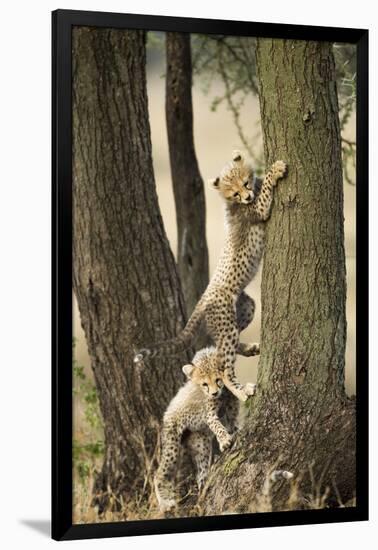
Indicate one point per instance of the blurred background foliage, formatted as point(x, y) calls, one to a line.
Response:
point(232, 60)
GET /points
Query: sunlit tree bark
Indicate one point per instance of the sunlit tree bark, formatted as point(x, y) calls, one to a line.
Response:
point(300, 419)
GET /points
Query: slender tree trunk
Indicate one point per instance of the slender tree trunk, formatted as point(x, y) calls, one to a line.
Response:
point(192, 256)
point(125, 278)
point(301, 419)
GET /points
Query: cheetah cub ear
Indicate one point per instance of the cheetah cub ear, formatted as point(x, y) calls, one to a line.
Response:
point(214, 183)
point(188, 370)
point(237, 157)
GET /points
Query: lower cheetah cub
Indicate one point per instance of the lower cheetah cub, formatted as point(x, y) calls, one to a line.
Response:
point(192, 417)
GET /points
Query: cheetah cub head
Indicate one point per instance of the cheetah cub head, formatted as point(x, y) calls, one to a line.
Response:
point(235, 183)
point(204, 372)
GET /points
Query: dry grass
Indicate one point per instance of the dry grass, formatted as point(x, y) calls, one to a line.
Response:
point(144, 506)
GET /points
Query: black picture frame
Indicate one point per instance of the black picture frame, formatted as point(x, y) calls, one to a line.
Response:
point(62, 526)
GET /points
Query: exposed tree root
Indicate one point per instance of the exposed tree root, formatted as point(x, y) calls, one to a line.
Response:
point(320, 452)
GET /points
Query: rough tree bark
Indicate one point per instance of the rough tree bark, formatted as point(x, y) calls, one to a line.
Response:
point(125, 277)
point(301, 419)
point(192, 255)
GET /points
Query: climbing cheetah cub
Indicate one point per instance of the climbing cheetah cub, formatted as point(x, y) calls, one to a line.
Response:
point(224, 306)
point(192, 417)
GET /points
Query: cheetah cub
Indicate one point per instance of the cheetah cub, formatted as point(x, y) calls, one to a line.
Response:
point(192, 418)
point(224, 306)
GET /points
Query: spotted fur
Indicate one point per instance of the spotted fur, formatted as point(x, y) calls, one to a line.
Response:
point(201, 409)
point(224, 306)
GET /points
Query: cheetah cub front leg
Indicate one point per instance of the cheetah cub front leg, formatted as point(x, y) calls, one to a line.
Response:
point(263, 203)
point(223, 437)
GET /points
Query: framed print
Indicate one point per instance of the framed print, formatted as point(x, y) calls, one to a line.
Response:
point(210, 241)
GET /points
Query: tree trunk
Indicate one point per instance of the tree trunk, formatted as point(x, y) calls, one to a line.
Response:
point(300, 419)
point(125, 278)
point(192, 256)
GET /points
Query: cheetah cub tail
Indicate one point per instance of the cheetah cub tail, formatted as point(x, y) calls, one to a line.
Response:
point(141, 355)
point(274, 476)
point(281, 474)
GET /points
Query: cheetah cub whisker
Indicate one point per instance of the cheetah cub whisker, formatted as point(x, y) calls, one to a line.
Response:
point(224, 306)
point(201, 409)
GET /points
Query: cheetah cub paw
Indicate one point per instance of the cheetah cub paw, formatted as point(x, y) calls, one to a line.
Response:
point(279, 169)
point(250, 389)
point(166, 502)
point(251, 350)
point(225, 443)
